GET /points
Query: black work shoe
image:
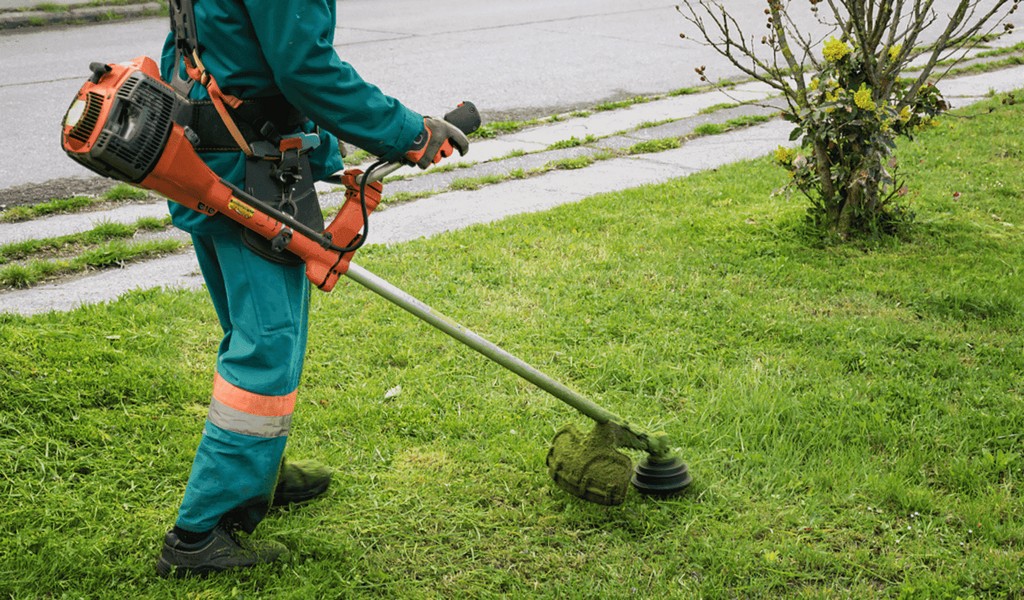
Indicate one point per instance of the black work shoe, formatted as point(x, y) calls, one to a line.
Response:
point(222, 550)
point(300, 481)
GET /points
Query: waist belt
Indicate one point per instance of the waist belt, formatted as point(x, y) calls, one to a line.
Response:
point(258, 119)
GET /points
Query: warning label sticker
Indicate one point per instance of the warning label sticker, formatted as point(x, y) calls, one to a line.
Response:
point(241, 208)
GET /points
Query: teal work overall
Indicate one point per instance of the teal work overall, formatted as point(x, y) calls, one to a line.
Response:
point(259, 49)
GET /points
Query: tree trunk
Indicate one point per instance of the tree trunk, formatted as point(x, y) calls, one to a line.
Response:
point(850, 207)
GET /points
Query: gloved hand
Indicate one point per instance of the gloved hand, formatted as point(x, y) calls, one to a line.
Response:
point(436, 142)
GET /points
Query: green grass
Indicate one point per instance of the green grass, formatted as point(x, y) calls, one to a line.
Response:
point(119, 193)
point(748, 121)
point(852, 416)
point(50, 7)
point(396, 198)
point(980, 63)
point(659, 145)
point(357, 156)
point(986, 67)
point(70, 243)
point(1018, 47)
point(512, 154)
point(736, 123)
point(717, 107)
point(123, 191)
point(60, 205)
point(568, 164)
point(604, 106)
point(113, 253)
point(493, 129)
point(572, 142)
point(120, 2)
point(649, 124)
point(474, 183)
point(687, 91)
point(54, 7)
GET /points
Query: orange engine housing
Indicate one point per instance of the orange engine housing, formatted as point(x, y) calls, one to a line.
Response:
point(126, 123)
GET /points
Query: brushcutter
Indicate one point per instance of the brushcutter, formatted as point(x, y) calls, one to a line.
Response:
point(127, 124)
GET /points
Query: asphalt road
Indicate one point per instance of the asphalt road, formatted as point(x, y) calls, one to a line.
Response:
point(513, 58)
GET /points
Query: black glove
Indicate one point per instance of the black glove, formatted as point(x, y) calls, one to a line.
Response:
point(436, 142)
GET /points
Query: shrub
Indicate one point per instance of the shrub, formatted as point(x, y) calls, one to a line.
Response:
point(844, 91)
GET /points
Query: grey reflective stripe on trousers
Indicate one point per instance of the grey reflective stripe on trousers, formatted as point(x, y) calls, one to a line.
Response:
point(234, 420)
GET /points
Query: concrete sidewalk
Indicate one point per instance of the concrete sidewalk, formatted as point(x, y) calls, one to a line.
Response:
point(17, 14)
point(448, 210)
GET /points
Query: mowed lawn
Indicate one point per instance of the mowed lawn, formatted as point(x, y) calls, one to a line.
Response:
point(852, 415)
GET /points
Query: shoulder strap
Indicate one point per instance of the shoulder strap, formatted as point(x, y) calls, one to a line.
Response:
point(186, 47)
point(186, 40)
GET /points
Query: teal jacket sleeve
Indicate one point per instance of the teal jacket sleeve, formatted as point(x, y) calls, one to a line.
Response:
point(296, 38)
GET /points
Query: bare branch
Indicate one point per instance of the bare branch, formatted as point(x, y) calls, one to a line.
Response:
point(732, 44)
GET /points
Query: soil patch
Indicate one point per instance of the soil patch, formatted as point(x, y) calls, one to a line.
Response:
point(68, 187)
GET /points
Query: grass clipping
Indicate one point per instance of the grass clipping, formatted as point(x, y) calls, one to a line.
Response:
point(589, 467)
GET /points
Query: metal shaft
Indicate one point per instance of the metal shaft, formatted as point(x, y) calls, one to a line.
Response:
point(512, 363)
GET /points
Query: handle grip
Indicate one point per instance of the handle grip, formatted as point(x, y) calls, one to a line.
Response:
point(465, 116)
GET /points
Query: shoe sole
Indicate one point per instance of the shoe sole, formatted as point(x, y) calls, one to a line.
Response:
point(167, 570)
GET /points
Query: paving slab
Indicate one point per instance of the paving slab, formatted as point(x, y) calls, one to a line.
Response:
point(606, 123)
point(178, 271)
point(61, 225)
point(516, 60)
point(717, 150)
point(453, 210)
point(427, 217)
point(971, 88)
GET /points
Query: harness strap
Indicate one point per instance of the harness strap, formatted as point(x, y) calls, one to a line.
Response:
point(221, 101)
point(257, 118)
point(187, 49)
point(186, 40)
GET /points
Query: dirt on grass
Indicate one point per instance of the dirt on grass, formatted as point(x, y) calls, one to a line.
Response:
point(68, 187)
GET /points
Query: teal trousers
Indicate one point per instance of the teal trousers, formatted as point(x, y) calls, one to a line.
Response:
point(263, 308)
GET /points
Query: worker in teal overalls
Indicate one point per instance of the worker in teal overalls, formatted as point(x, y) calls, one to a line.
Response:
point(278, 58)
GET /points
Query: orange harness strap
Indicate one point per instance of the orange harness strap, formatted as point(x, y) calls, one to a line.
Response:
point(197, 71)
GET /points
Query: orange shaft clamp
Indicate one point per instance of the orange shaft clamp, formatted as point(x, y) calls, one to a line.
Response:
point(347, 229)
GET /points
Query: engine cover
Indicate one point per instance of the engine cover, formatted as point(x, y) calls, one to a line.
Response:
point(120, 120)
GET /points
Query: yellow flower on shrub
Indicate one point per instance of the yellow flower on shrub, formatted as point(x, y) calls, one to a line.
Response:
point(895, 51)
point(862, 98)
point(905, 114)
point(835, 50)
point(783, 155)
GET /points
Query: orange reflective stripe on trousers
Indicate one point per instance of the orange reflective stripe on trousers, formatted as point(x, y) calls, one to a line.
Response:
point(241, 411)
